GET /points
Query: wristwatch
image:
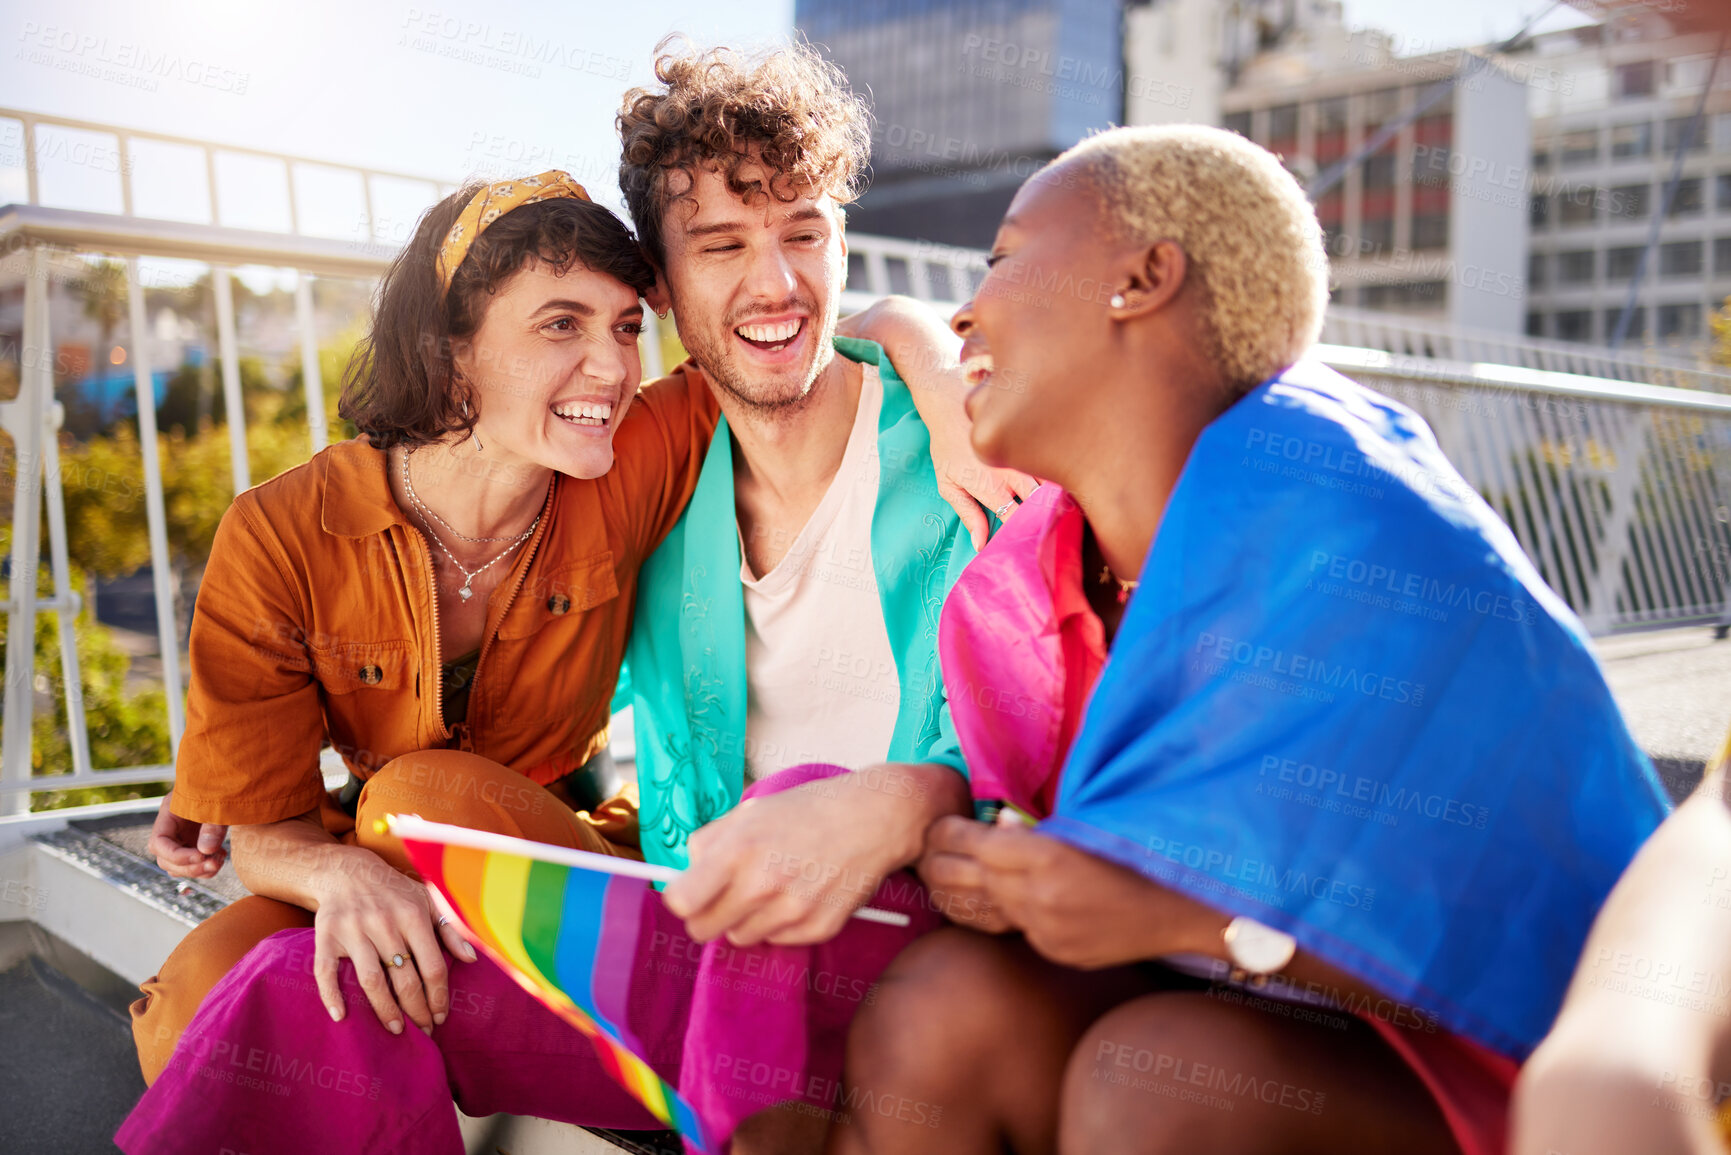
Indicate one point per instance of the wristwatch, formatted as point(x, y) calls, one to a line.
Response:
point(1257, 951)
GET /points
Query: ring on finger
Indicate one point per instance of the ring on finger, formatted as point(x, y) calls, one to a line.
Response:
point(444, 921)
point(398, 960)
point(1004, 508)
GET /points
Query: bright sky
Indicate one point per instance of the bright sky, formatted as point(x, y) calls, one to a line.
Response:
point(444, 88)
point(1431, 26)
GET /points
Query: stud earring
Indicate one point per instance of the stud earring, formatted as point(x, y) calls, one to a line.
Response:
point(1117, 301)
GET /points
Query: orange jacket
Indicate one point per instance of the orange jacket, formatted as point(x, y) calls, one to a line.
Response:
point(316, 622)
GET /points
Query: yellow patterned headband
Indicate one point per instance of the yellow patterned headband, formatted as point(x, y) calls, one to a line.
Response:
point(495, 201)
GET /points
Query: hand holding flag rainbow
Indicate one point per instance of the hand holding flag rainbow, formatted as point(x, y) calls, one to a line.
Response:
point(545, 914)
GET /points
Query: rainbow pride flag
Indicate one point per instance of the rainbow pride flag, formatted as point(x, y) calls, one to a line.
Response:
point(548, 916)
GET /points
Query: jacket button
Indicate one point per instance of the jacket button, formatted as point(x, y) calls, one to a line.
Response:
point(558, 603)
point(372, 675)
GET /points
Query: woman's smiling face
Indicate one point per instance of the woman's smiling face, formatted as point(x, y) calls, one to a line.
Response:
point(555, 366)
point(1034, 330)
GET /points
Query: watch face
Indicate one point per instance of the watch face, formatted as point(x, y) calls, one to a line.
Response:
point(1257, 948)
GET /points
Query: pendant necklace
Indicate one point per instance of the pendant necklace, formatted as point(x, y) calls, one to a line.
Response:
point(469, 575)
point(1125, 588)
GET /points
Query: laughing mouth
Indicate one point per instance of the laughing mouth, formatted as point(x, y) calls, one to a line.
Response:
point(771, 337)
point(591, 413)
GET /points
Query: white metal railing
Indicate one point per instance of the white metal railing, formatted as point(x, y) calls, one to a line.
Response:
point(1614, 470)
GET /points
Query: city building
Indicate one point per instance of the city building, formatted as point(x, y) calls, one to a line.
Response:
point(1604, 148)
point(1434, 223)
point(969, 98)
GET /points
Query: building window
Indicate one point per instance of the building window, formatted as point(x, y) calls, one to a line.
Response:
point(1688, 201)
point(1379, 171)
point(1376, 234)
point(1579, 206)
point(1637, 323)
point(1331, 115)
point(1724, 181)
point(1542, 158)
point(1680, 320)
point(1722, 256)
point(1581, 146)
point(1238, 122)
point(1631, 140)
point(1430, 164)
point(1629, 202)
point(1681, 259)
point(1283, 122)
point(1575, 325)
point(1430, 231)
point(1380, 106)
point(1676, 127)
point(1539, 211)
point(1620, 264)
point(1636, 80)
point(1535, 324)
point(1536, 270)
point(1576, 267)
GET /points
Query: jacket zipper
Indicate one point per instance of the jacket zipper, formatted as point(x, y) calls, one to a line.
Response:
point(441, 732)
point(522, 574)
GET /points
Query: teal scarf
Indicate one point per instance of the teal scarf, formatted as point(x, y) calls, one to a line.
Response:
point(686, 657)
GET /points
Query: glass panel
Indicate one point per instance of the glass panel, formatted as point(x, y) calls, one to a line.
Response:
point(169, 182)
point(76, 169)
point(251, 192)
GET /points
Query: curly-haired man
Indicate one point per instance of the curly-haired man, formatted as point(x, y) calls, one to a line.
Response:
point(791, 617)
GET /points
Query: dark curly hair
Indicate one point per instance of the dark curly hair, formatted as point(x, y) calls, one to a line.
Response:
point(401, 387)
point(790, 109)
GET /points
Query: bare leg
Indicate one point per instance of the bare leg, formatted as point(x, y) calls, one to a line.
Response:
point(1181, 1071)
point(963, 1048)
point(786, 1129)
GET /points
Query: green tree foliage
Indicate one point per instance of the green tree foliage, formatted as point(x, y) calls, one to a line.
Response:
point(104, 482)
point(127, 726)
point(102, 478)
point(1720, 324)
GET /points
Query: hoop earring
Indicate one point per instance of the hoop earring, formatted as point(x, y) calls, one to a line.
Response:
point(472, 431)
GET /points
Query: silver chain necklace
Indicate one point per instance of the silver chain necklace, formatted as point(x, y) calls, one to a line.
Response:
point(469, 575)
point(409, 488)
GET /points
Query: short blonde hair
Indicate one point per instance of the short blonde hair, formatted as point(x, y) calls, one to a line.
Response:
point(1251, 237)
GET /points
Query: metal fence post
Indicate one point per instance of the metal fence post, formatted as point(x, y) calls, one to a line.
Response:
point(162, 578)
point(23, 419)
point(311, 377)
point(235, 404)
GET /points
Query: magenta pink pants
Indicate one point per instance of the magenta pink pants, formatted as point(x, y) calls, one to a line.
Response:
point(262, 1069)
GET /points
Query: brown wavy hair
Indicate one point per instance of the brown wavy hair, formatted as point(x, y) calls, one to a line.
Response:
point(790, 109)
point(402, 386)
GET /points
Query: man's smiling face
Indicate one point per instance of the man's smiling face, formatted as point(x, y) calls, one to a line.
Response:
point(755, 282)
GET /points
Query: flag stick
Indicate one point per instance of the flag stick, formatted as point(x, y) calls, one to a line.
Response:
point(414, 826)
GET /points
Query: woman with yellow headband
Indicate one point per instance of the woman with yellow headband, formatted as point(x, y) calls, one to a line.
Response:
point(444, 601)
